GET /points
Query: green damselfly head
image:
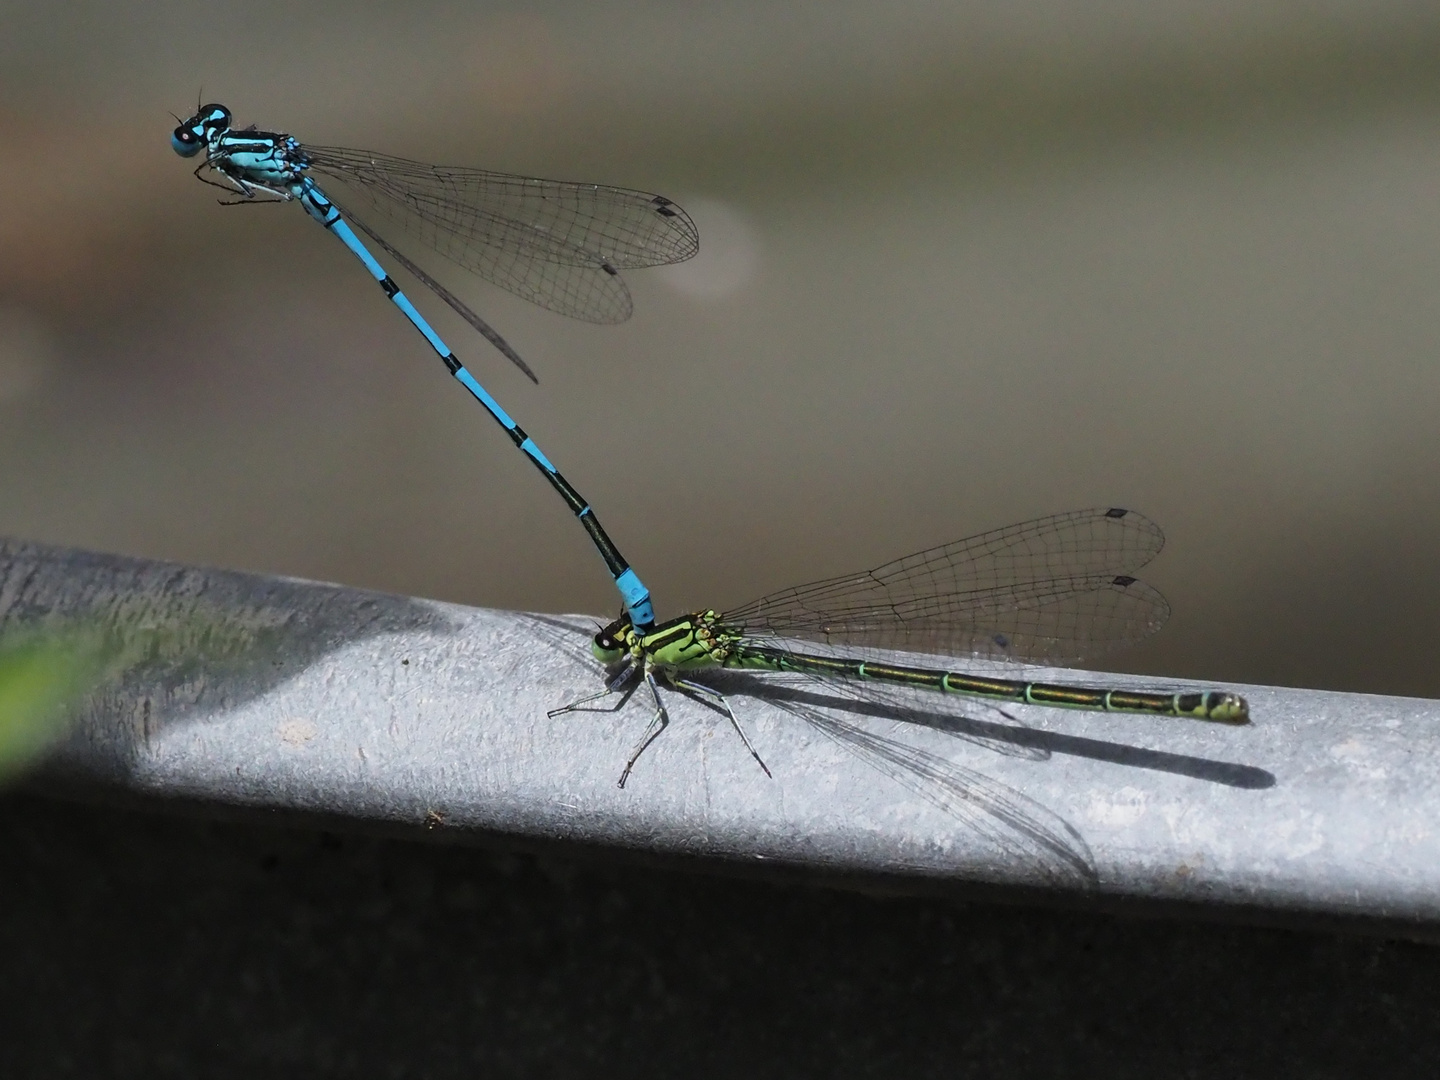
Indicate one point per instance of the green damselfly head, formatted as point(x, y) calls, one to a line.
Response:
point(611, 643)
point(192, 135)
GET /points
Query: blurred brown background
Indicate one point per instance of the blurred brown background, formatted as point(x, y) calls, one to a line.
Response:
point(962, 264)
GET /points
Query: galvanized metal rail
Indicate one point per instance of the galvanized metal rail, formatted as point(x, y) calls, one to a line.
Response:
point(294, 696)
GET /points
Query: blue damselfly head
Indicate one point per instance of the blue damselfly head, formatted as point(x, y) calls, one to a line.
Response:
point(190, 137)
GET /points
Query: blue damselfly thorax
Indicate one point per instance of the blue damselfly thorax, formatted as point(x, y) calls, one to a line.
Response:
point(251, 161)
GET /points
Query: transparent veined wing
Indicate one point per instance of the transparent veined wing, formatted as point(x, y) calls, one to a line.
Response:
point(556, 243)
point(1055, 590)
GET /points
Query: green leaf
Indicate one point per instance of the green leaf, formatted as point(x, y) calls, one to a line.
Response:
point(43, 678)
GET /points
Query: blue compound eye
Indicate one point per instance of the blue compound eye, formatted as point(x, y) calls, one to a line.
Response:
point(185, 142)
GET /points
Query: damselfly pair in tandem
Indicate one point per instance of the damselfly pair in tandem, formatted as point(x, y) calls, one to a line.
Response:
point(1056, 590)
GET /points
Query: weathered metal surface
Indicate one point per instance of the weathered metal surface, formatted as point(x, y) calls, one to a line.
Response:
point(297, 696)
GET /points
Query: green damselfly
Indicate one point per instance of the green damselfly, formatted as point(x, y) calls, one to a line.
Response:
point(1056, 590)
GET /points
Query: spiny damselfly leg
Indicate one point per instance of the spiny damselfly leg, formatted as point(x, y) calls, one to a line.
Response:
point(559, 244)
point(1053, 591)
